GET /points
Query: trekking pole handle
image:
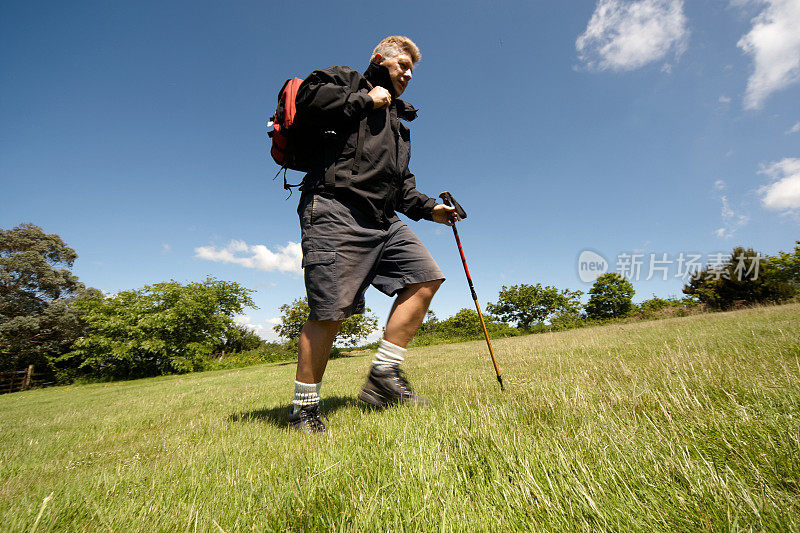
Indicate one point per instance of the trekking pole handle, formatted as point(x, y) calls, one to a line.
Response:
point(448, 199)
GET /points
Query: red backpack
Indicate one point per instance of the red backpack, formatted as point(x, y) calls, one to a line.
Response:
point(283, 149)
point(294, 144)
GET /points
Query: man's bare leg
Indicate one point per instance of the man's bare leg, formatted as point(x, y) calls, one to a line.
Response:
point(314, 348)
point(385, 384)
point(408, 312)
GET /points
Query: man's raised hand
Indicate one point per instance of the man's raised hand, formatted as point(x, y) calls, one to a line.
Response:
point(380, 98)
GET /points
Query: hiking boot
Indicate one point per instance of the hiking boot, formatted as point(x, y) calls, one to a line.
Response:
point(386, 385)
point(306, 419)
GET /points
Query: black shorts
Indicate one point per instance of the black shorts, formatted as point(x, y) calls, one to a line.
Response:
point(343, 254)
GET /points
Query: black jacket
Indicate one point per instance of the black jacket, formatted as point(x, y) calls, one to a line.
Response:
point(383, 184)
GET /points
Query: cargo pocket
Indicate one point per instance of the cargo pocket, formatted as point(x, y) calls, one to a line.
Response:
point(320, 278)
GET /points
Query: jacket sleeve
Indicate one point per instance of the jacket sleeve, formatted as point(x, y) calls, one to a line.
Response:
point(413, 203)
point(325, 98)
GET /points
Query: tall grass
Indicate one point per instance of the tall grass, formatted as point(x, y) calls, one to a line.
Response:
point(680, 424)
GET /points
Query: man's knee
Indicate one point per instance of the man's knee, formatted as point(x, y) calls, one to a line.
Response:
point(330, 327)
point(434, 285)
point(426, 289)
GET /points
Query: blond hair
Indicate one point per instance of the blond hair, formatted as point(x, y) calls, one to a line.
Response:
point(395, 45)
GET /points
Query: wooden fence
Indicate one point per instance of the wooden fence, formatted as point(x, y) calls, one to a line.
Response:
point(16, 381)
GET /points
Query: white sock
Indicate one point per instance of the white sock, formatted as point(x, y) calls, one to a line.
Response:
point(305, 394)
point(388, 354)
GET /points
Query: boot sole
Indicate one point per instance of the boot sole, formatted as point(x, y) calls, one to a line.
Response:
point(373, 399)
point(379, 402)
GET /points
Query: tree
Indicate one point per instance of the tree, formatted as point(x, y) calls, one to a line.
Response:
point(239, 338)
point(785, 267)
point(526, 305)
point(293, 317)
point(356, 328)
point(159, 329)
point(430, 323)
point(745, 276)
point(38, 293)
point(353, 329)
point(467, 324)
point(610, 297)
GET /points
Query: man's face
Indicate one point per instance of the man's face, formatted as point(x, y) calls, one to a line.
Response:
point(400, 70)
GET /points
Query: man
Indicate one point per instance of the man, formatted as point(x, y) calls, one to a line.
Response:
point(351, 236)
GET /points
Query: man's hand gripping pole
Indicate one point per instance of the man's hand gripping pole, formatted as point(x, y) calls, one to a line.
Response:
point(448, 199)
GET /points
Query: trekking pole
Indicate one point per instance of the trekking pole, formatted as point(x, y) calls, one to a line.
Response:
point(449, 200)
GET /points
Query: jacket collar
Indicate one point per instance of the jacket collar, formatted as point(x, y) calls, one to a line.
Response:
point(378, 75)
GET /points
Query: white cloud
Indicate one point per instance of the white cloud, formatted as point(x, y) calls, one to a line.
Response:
point(731, 220)
point(727, 212)
point(626, 35)
point(724, 99)
point(793, 129)
point(774, 44)
point(285, 259)
point(166, 248)
point(783, 194)
point(719, 185)
point(262, 329)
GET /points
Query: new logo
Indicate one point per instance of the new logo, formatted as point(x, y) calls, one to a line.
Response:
point(591, 266)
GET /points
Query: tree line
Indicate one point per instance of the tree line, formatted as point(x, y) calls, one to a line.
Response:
point(67, 330)
point(49, 319)
point(745, 277)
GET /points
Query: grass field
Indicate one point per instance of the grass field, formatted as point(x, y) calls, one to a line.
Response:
point(680, 424)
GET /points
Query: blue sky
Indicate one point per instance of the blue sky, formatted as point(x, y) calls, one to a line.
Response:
point(136, 131)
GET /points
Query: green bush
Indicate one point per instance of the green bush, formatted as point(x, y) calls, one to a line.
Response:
point(657, 307)
point(785, 267)
point(161, 329)
point(465, 325)
point(268, 352)
point(525, 305)
point(744, 278)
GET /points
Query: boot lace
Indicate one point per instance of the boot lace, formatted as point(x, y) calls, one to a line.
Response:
point(311, 415)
